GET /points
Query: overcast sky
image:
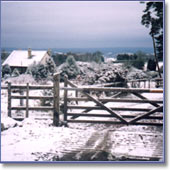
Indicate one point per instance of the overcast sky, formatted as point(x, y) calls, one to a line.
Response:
point(73, 25)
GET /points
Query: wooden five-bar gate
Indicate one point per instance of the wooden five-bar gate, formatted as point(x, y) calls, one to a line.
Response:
point(144, 116)
point(152, 115)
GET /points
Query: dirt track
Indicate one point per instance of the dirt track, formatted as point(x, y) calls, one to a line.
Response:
point(132, 144)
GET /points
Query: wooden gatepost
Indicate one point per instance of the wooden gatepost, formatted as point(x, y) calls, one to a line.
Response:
point(56, 100)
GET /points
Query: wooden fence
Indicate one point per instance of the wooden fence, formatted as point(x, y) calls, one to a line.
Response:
point(146, 83)
point(27, 88)
point(147, 117)
point(141, 116)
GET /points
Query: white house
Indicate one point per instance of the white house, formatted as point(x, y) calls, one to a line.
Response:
point(22, 59)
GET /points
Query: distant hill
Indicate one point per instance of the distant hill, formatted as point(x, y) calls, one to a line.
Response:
point(107, 52)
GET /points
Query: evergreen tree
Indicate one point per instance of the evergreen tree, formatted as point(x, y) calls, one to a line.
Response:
point(153, 19)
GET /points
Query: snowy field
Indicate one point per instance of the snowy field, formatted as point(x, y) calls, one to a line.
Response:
point(38, 141)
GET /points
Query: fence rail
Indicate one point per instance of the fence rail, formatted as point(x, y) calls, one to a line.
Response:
point(24, 87)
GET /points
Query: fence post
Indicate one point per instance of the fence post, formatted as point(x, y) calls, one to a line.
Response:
point(21, 100)
point(76, 96)
point(144, 84)
point(65, 99)
point(9, 99)
point(149, 82)
point(27, 100)
point(56, 87)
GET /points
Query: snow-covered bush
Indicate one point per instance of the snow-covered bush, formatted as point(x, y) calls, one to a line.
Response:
point(152, 74)
point(42, 71)
point(6, 70)
point(21, 79)
point(38, 71)
point(50, 65)
point(134, 73)
point(70, 68)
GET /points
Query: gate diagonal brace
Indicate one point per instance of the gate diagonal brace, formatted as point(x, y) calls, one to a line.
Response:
point(142, 97)
point(106, 108)
point(158, 109)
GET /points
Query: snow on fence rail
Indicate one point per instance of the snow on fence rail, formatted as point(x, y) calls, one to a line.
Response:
point(157, 105)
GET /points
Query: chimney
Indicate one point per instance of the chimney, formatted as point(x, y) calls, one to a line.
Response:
point(29, 53)
point(49, 52)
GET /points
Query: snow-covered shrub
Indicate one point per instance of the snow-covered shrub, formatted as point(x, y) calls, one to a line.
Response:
point(15, 73)
point(42, 71)
point(21, 79)
point(152, 74)
point(38, 71)
point(50, 65)
point(6, 70)
point(70, 68)
point(134, 73)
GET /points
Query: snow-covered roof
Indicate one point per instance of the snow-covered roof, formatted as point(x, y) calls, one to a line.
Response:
point(20, 58)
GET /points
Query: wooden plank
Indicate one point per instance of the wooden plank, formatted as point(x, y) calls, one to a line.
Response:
point(27, 101)
point(9, 99)
point(103, 108)
point(32, 97)
point(108, 115)
point(137, 80)
point(65, 98)
point(159, 109)
point(156, 79)
point(156, 90)
point(115, 89)
point(45, 108)
point(115, 100)
point(144, 98)
point(4, 87)
point(112, 122)
point(31, 87)
point(116, 95)
point(56, 105)
point(36, 118)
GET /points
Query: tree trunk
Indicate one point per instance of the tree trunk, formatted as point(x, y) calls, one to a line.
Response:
point(156, 58)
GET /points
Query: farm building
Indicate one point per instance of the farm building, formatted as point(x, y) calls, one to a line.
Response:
point(22, 59)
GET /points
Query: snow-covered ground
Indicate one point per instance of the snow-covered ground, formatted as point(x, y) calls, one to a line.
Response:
point(39, 140)
point(25, 141)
